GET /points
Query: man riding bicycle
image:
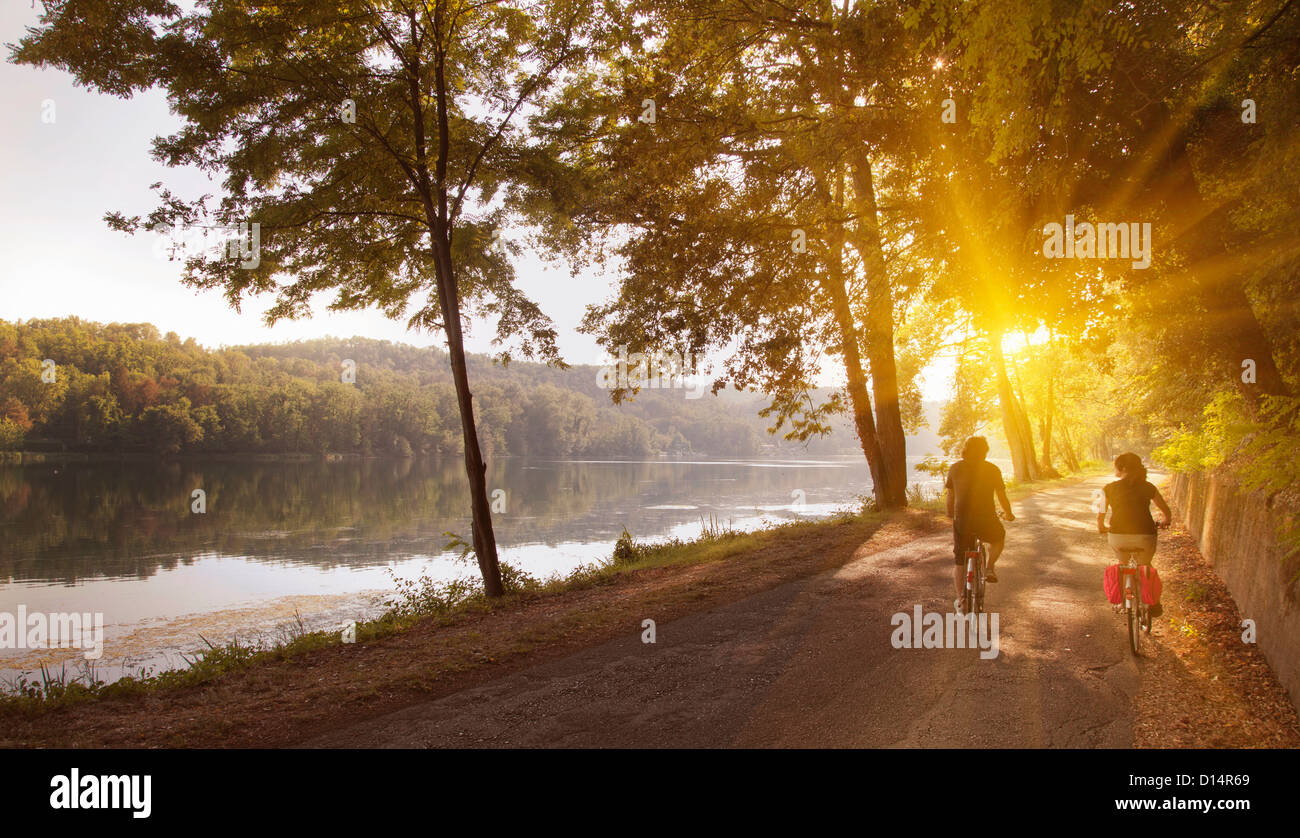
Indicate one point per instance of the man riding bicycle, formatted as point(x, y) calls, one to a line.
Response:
point(971, 486)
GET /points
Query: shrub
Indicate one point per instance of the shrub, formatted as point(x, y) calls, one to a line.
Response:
point(626, 550)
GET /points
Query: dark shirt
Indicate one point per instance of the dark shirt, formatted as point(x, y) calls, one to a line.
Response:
point(1131, 505)
point(973, 483)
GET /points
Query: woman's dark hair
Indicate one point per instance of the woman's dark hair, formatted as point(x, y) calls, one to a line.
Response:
point(976, 448)
point(1131, 465)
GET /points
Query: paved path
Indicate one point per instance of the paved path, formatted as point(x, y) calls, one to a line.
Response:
point(810, 664)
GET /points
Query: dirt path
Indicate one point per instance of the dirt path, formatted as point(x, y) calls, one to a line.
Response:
point(810, 664)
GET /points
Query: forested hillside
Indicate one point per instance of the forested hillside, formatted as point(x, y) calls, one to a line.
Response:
point(127, 388)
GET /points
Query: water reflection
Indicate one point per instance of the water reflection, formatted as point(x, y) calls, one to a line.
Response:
point(69, 522)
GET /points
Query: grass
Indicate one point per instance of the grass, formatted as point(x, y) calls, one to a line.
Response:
point(55, 690)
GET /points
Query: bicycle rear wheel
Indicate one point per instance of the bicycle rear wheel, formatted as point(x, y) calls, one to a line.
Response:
point(981, 568)
point(967, 589)
point(1134, 630)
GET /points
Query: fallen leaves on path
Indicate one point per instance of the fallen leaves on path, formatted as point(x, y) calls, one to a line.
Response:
point(1202, 686)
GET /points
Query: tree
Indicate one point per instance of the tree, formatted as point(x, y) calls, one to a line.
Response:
point(1137, 111)
point(375, 144)
point(745, 212)
point(167, 428)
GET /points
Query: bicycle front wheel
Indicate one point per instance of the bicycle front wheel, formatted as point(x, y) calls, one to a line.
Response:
point(1134, 630)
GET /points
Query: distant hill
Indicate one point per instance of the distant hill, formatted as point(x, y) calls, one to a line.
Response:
point(125, 387)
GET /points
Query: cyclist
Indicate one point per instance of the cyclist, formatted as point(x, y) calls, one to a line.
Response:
point(1129, 499)
point(971, 486)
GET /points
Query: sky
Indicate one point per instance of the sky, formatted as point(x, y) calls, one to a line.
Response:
point(69, 155)
point(58, 179)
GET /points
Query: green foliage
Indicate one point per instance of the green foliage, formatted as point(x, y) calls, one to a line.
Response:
point(516, 580)
point(1262, 451)
point(124, 388)
point(1207, 447)
point(745, 218)
point(11, 434)
point(970, 408)
point(424, 595)
point(626, 550)
point(1270, 456)
point(808, 119)
point(934, 466)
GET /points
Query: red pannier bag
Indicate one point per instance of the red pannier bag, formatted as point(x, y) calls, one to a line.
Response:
point(1150, 584)
point(1112, 585)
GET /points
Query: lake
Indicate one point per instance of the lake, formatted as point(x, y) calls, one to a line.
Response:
point(322, 542)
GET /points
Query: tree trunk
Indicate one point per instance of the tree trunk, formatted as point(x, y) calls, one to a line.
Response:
point(1242, 338)
point(1067, 448)
point(879, 333)
point(440, 225)
point(1022, 453)
point(859, 399)
point(1027, 434)
point(1026, 429)
point(1046, 426)
point(1238, 335)
point(485, 545)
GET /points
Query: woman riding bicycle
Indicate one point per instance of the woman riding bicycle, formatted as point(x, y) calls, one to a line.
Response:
point(1132, 529)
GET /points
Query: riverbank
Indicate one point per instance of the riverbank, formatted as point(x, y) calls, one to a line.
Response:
point(240, 698)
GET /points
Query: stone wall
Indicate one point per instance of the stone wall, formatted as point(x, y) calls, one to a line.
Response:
point(1238, 534)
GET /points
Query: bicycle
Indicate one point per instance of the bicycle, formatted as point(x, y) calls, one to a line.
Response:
point(1137, 612)
point(977, 563)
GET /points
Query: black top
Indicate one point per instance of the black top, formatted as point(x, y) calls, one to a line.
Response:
point(973, 483)
point(1131, 502)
